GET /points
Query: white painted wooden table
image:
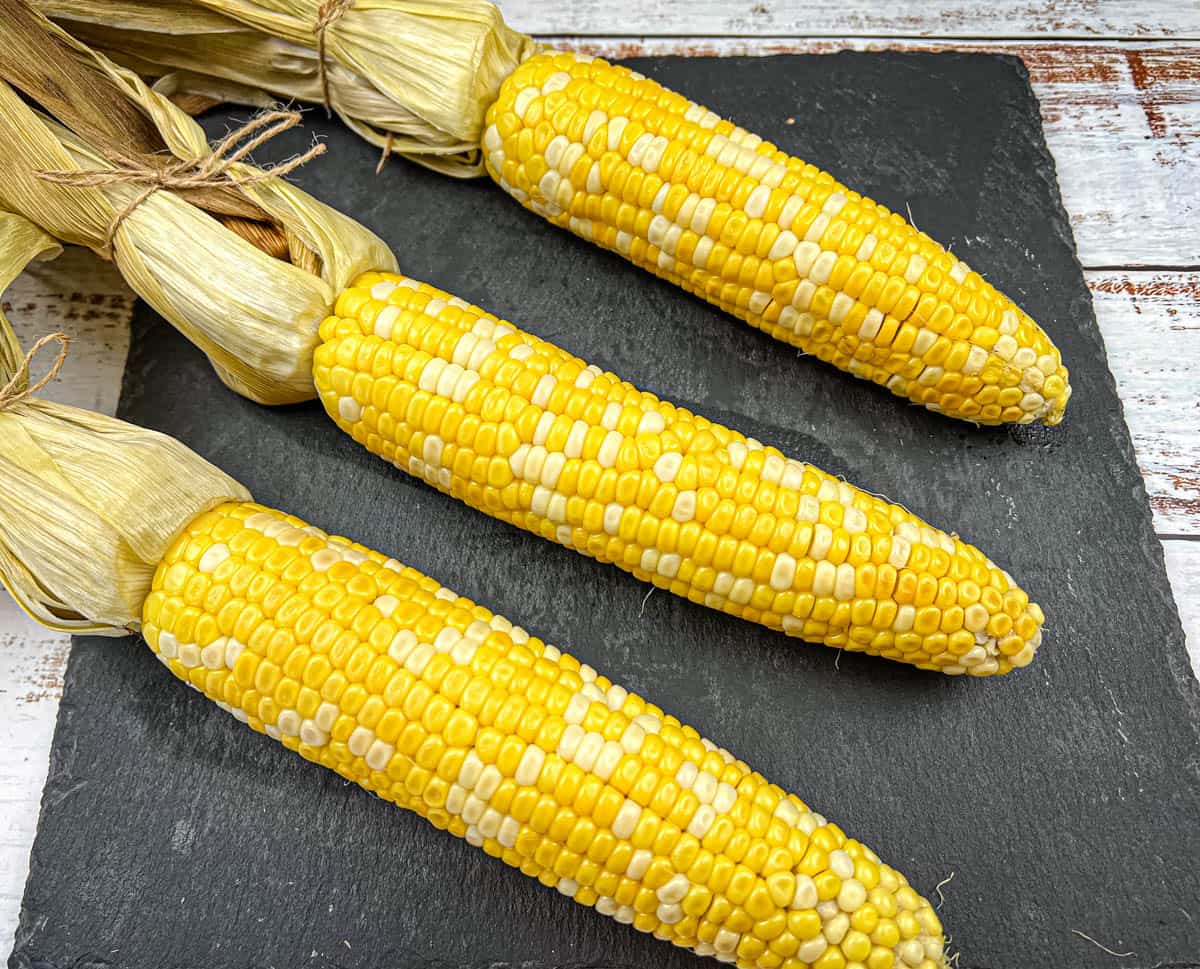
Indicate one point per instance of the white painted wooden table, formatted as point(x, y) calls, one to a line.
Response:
point(1119, 84)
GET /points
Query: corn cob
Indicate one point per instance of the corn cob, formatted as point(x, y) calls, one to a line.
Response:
point(620, 160)
point(623, 162)
point(428, 700)
point(511, 424)
point(517, 427)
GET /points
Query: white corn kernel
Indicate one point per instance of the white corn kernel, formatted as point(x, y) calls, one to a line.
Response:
point(626, 820)
point(530, 766)
point(674, 890)
point(667, 466)
point(213, 556)
point(638, 864)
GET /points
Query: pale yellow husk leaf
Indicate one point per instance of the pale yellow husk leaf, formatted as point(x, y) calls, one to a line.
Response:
point(254, 315)
point(422, 73)
point(88, 504)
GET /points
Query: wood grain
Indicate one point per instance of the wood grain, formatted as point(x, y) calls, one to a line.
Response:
point(1151, 326)
point(32, 661)
point(1122, 121)
point(86, 299)
point(834, 18)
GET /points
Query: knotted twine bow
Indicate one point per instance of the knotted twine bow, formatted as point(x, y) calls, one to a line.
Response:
point(329, 13)
point(10, 395)
point(207, 172)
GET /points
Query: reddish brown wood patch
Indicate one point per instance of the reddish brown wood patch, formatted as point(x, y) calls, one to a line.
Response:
point(1155, 287)
point(1141, 84)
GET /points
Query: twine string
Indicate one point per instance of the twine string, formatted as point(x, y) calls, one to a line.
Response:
point(329, 13)
point(10, 395)
point(211, 171)
point(124, 214)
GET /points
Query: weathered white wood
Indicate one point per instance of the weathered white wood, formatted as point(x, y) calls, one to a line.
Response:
point(874, 18)
point(32, 660)
point(1151, 327)
point(86, 299)
point(1183, 566)
point(1122, 121)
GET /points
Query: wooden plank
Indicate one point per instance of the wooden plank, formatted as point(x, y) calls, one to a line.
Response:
point(87, 300)
point(1183, 566)
point(1123, 124)
point(32, 662)
point(1151, 327)
point(1122, 121)
point(834, 18)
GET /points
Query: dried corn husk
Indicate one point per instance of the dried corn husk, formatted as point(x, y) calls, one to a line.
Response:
point(414, 76)
point(88, 504)
point(254, 314)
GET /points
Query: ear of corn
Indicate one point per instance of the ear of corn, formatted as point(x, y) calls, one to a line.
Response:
point(430, 701)
point(518, 428)
point(620, 160)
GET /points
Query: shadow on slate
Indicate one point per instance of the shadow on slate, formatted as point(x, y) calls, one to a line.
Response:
point(1064, 797)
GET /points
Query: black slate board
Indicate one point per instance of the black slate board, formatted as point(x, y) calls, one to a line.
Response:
point(1062, 798)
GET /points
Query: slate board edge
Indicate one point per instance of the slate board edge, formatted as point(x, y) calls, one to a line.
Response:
point(1123, 442)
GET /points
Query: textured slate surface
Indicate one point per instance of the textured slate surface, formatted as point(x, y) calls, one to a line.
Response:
point(1065, 797)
